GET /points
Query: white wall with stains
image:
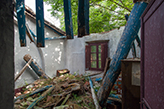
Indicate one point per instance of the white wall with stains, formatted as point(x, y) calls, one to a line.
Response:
point(75, 49)
point(50, 58)
point(60, 54)
point(75, 58)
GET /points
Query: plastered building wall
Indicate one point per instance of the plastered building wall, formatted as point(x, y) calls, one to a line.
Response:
point(75, 48)
point(50, 58)
point(61, 54)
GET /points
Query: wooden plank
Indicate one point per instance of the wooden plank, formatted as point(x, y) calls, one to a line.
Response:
point(35, 67)
point(83, 18)
point(106, 66)
point(23, 69)
point(95, 74)
point(40, 23)
point(20, 8)
point(40, 98)
point(134, 50)
point(28, 31)
point(138, 41)
point(30, 94)
point(93, 94)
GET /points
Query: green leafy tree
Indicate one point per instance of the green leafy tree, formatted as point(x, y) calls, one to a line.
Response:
point(104, 15)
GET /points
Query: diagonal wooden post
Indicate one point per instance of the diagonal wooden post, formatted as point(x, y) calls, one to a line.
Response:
point(127, 38)
point(23, 69)
point(35, 67)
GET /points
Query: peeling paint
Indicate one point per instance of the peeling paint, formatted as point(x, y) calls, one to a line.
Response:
point(39, 23)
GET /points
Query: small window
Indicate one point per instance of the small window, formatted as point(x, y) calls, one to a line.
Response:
point(96, 54)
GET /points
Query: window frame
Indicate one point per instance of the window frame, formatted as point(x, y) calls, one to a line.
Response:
point(104, 55)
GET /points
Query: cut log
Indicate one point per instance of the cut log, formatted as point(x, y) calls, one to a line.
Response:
point(35, 67)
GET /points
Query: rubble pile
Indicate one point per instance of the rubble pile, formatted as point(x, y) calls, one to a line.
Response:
point(64, 92)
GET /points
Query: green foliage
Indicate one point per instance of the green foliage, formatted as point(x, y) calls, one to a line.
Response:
point(104, 15)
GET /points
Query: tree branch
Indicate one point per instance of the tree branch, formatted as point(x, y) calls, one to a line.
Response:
point(107, 8)
point(121, 5)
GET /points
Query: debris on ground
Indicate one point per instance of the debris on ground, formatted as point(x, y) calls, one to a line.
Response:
point(64, 92)
point(62, 72)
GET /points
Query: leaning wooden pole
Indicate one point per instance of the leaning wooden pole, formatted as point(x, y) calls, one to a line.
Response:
point(23, 69)
point(127, 38)
point(37, 69)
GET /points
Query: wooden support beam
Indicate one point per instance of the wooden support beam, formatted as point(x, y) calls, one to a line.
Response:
point(7, 54)
point(28, 32)
point(40, 97)
point(138, 41)
point(32, 93)
point(20, 8)
point(35, 67)
point(124, 45)
point(68, 19)
point(93, 94)
point(86, 14)
point(83, 18)
point(23, 69)
point(106, 66)
point(133, 45)
point(134, 50)
point(40, 23)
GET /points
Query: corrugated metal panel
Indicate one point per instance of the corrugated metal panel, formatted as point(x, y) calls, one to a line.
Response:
point(152, 77)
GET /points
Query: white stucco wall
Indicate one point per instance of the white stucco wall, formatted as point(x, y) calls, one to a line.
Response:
point(60, 54)
point(31, 49)
point(50, 58)
point(113, 37)
point(54, 56)
point(75, 58)
point(75, 48)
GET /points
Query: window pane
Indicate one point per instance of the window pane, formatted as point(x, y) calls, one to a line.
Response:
point(93, 64)
point(99, 64)
point(99, 56)
point(93, 48)
point(99, 48)
point(93, 57)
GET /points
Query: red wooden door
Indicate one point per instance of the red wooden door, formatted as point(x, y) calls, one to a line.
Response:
point(152, 56)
